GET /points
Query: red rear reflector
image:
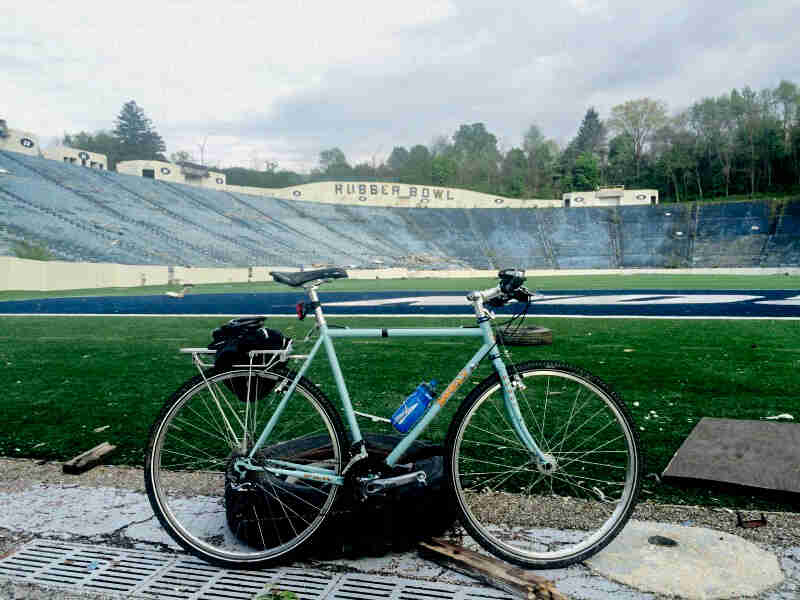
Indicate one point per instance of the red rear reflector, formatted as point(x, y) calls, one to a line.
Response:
point(301, 310)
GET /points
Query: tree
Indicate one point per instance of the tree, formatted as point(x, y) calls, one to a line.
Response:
point(514, 171)
point(418, 168)
point(333, 163)
point(135, 136)
point(585, 173)
point(621, 166)
point(181, 156)
point(788, 96)
point(541, 155)
point(398, 161)
point(712, 119)
point(364, 170)
point(475, 152)
point(590, 141)
point(748, 112)
point(441, 146)
point(444, 170)
point(591, 138)
point(638, 119)
point(674, 147)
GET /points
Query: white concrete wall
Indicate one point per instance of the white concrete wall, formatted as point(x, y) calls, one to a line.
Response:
point(393, 194)
point(167, 171)
point(23, 274)
point(164, 171)
point(79, 157)
point(610, 197)
point(23, 142)
point(34, 275)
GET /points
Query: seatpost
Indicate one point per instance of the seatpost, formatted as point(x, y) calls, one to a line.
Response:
point(312, 295)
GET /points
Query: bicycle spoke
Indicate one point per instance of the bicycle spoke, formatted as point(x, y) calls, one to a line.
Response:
point(196, 449)
point(501, 487)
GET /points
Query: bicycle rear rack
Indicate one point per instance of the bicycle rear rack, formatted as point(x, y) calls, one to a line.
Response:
point(259, 359)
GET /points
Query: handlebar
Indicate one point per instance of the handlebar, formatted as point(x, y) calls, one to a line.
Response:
point(510, 288)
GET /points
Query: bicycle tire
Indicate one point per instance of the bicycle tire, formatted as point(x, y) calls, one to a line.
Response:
point(188, 466)
point(520, 512)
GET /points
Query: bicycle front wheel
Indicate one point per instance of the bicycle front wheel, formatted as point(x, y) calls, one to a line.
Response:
point(559, 513)
point(214, 419)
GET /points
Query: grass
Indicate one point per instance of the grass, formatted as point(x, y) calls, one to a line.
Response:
point(64, 377)
point(678, 281)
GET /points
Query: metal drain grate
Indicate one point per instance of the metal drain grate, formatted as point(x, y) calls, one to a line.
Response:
point(123, 572)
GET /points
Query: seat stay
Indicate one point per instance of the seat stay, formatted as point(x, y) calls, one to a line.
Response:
point(284, 401)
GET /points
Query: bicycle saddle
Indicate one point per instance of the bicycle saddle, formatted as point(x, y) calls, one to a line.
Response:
point(299, 278)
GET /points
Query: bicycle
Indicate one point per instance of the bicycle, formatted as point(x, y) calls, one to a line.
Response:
point(542, 459)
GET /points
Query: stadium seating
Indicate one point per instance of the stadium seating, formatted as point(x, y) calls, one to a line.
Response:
point(83, 214)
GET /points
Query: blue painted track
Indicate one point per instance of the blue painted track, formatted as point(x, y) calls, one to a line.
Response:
point(609, 303)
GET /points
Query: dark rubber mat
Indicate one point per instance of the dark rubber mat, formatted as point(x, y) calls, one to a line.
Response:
point(762, 454)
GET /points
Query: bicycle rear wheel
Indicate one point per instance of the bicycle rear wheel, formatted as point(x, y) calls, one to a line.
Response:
point(525, 513)
point(203, 427)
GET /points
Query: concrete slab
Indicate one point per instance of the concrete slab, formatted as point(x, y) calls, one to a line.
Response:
point(744, 452)
point(703, 565)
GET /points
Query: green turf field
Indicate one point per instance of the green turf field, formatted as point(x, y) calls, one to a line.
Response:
point(559, 282)
point(65, 377)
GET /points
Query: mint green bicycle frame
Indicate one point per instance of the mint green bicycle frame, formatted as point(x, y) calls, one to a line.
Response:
point(326, 336)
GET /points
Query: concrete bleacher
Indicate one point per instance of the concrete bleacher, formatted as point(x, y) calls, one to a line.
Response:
point(658, 236)
point(83, 214)
point(731, 234)
point(783, 247)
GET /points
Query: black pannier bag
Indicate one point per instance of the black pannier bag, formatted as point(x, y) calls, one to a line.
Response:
point(234, 340)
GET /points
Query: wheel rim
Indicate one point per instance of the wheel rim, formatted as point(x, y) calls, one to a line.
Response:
point(199, 502)
point(537, 513)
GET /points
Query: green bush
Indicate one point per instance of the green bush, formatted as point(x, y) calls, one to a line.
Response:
point(31, 251)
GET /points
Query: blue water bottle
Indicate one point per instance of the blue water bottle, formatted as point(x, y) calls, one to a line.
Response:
point(410, 411)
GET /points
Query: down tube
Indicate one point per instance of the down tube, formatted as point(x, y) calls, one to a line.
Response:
point(417, 430)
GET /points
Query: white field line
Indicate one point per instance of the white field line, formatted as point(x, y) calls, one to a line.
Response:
point(414, 316)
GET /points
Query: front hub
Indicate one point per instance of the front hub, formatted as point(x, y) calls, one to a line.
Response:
point(549, 465)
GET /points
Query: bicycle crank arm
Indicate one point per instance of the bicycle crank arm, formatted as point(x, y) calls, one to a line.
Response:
point(376, 486)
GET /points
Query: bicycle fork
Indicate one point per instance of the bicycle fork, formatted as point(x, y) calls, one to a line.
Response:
point(545, 462)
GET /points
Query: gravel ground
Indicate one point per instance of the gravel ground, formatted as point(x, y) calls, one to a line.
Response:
point(16, 475)
point(783, 529)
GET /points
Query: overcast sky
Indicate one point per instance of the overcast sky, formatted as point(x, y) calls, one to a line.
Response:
point(282, 80)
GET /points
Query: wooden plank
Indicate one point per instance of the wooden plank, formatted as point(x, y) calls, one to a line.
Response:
point(493, 571)
point(87, 460)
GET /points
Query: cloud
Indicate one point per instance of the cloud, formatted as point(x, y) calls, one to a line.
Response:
point(284, 81)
